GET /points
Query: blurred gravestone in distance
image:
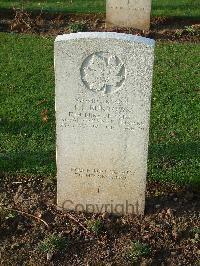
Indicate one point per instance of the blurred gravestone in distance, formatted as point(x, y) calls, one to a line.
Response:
point(128, 13)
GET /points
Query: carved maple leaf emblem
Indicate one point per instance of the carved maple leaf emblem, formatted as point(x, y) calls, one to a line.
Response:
point(104, 73)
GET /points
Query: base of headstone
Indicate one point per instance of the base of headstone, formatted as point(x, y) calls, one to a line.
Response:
point(144, 26)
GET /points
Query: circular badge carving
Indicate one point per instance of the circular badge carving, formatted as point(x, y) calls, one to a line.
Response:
point(103, 72)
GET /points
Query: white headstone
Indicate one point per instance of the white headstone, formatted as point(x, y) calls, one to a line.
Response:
point(128, 13)
point(103, 95)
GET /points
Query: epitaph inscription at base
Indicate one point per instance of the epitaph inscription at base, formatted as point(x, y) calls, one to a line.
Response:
point(103, 95)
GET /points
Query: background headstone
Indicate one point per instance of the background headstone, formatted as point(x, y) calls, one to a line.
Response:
point(103, 94)
point(128, 13)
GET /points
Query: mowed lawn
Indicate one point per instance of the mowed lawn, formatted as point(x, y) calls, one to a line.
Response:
point(171, 8)
point(27, 116)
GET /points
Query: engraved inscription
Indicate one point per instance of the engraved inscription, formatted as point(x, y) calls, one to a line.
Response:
point(98, 173)
point(109, 114)
point(121, 7)
point(103, 72)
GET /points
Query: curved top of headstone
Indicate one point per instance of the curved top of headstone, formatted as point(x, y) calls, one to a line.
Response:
point(106, 35)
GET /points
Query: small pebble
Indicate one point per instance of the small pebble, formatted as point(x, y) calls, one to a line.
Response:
point(105, 215)
point(170, 212)
point(49, 255)
point(173, 253)
point(15, 245)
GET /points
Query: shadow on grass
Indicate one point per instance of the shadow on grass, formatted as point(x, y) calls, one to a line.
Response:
point(166, 157)
point(36, 124)
point(40, 162)
point(175, 151)
point(175, 163)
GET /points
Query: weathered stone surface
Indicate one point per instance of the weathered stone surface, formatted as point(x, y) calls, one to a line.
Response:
point(128, 13)
point(103, 94)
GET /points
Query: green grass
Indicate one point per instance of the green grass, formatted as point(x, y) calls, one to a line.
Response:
point(27, 143)
point(26, 89)
point(95, 226)
point(177, 8)
point(175, 121)
point(138, 250)
point(53, 243)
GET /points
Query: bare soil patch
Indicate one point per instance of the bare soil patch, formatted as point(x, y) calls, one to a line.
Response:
point(162, 29)
point(170, 227)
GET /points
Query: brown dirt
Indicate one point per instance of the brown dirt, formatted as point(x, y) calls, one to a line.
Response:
point(162, 29)
point(170, 227)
